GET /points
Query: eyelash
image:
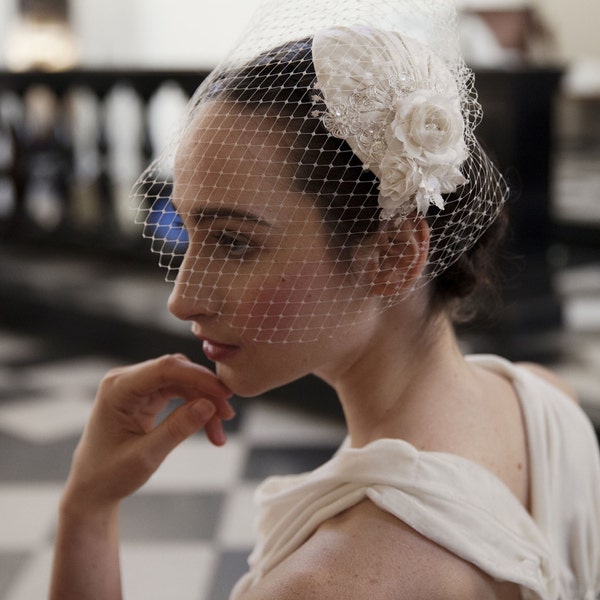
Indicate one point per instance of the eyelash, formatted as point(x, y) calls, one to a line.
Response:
point(230, 243)
point(234, 245)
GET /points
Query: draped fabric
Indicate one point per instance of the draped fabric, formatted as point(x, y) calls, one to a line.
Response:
point(553, 553)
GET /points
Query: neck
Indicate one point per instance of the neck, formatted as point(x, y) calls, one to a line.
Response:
point(400, 377)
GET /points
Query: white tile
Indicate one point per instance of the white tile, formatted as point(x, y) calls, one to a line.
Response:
point(82, 373)
point(583, 314)
point(167, 571)
point(591, 351)
point(135, 298)
point(15, 347)
point(578, 199)
point(271, 423)
point(197, 465)
point(33, 580)
point(167, 321)
point(55, 275)
point(149, 572)
point(46, 420)
point(236, 528)
point(578, 280)
point(28, 515)
point(586, 382)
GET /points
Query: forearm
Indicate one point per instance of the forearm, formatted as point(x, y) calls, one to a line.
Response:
point(121, 447)
point(86, 557)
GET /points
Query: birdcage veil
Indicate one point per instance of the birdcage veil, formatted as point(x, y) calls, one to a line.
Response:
point(329, 127)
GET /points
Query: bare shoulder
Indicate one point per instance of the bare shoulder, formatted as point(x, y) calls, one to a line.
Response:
point(551, 378)
point(367, 553)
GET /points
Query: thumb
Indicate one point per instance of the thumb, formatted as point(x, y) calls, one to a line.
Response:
point(180, 425)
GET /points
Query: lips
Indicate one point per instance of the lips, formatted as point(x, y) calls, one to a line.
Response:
point(217, 352)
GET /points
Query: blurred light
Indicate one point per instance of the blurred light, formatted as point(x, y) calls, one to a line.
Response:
point(40, 45)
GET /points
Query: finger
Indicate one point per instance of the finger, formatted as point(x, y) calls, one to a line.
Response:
point(215, 432)
point(164, 373)
point(223, 408)
point(181, 371)
point(180, 425)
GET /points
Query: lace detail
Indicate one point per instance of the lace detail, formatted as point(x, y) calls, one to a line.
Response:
point(346, 120)
point(411, 134)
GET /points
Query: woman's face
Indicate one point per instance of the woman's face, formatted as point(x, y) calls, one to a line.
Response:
point(258, 282)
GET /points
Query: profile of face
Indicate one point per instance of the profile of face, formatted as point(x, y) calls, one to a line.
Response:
point(259, 269)
point(290, 239)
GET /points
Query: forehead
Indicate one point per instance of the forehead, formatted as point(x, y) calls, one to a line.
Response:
point(227, 150)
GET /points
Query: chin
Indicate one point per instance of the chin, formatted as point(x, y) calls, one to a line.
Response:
point(249, 383)
point(245, 386)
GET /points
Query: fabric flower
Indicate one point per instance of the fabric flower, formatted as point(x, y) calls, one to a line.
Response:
point(399, 178)
point(397, 105)
point(431, 127)
point(426, 146)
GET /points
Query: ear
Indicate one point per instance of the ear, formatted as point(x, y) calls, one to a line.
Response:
point(402, 255)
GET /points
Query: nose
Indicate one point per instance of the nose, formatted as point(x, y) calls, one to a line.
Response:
point(181, 304)
point(192, 295)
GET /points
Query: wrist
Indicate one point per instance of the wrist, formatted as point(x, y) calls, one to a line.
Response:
point(76, 504)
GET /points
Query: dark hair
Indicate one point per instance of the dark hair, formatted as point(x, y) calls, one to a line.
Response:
point(281, 83)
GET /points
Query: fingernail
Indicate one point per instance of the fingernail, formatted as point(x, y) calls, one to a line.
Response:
point(204, 410)
point(229, 412)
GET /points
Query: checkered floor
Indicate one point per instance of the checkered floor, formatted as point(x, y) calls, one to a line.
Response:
point(187, 533)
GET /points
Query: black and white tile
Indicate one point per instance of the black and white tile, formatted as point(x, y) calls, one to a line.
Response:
point(188, 531)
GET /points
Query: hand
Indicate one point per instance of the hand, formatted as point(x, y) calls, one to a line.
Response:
point(122, 446)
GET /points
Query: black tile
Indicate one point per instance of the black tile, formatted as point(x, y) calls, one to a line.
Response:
point(45, 353)
point(21, 460)
point(13, 393)
point(10, 565)
point(231, 566)
point(266, 461)
point(170, 516)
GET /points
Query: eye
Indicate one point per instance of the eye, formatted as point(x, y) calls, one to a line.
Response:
point(235, 245)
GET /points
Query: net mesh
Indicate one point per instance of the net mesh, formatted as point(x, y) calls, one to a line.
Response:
point(326, 170)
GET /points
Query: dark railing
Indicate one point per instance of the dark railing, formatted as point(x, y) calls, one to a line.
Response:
point(42, 186)
point(146, 83)
point(517, 129)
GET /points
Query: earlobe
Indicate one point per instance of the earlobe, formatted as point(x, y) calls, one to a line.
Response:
point(402, 255)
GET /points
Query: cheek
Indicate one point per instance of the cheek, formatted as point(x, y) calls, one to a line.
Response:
point(290, 307)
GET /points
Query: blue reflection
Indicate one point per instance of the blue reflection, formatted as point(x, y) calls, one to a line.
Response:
point(163, 223)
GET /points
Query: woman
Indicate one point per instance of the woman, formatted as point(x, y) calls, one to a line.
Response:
point(336, 215)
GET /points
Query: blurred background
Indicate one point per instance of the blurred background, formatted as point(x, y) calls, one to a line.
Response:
point(89, 93)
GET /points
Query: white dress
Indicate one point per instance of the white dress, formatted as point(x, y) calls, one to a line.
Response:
point(552, 553)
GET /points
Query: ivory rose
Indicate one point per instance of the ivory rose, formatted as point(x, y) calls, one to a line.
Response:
point(431, 127)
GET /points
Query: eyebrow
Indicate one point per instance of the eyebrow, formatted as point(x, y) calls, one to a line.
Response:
point(224, 212)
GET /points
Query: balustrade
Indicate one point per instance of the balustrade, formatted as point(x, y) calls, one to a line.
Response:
point(72, 144)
